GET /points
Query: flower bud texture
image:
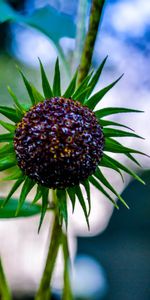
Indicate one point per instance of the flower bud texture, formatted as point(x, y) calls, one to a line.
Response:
point(58, 143)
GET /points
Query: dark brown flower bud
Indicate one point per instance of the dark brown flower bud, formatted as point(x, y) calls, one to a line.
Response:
point(59, 143)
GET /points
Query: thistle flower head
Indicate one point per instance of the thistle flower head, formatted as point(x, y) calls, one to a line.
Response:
point(58, 142)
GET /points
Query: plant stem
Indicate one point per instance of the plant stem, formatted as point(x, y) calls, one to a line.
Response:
point(4, 289)
point(44, 291)
point(67, 292)
point(80, 31)
point(86, 58)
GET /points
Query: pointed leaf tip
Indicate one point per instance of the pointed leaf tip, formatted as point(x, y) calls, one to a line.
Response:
point(45, 82)
point(56, 81)
point(97, 184)
point(99, 175)
point(28, 86)
point(45, 192)
point(86, 185)
point(96, 76)
point(27, 187)
point(72, 196)
point(82, 203)
point(124, 168)
point(96, 98)
point(108, 164)
point(12, 191)
point(17, 103)
point(104, 112)
point(111, 132)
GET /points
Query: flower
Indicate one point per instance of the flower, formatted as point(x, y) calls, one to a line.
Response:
point(60, 135)
point(60, 142)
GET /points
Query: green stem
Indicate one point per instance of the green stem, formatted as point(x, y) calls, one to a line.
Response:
point(67, 292)
point(4, 289)
point(86, 58)
point(81, 30)
point(44, 291)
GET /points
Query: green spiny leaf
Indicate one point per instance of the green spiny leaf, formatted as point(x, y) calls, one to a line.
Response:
point(124, 168)
point(108, 164)
point(45, 83)
point(12, 191)
point(9, 113)
point(72, 196)
point(111, 132)
point(6, 149)
point(27, 187)
point(86, 185)
point(114, 110)
point(96, 98)
point(82, 87)
point(106, 123)
point(113, 146)
point(8, 126)
point(6, 137)
point(56, 82)
point(82, 203)
point(101, 189)
point(62, 206)
point(71, 88)
point(7, 162)
point(18, 112)
point(14, 173)
point(81, 97)
point(15, 99)
point(131, 157)
point(96, 77)
point(38, 194)
point(28, 87)
point(99, 175)
point(36, 94)
point(45, 192)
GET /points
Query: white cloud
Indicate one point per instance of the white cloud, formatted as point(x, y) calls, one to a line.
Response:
point(130, 16)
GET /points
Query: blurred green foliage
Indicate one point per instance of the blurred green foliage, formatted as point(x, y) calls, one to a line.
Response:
point(27, 210)
point(10, 76)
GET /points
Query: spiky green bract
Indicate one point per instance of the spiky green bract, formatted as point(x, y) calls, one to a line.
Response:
point(18, 106)
point(83, 94)
point(45, 83)
point(27, 187)
point(9, 113)
point(62, 206)
point(71, 88)
point(9, 127)
point(45, 192)
point(96, 98)
point(56, 82)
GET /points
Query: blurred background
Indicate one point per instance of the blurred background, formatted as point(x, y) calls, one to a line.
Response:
point(112, 261)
